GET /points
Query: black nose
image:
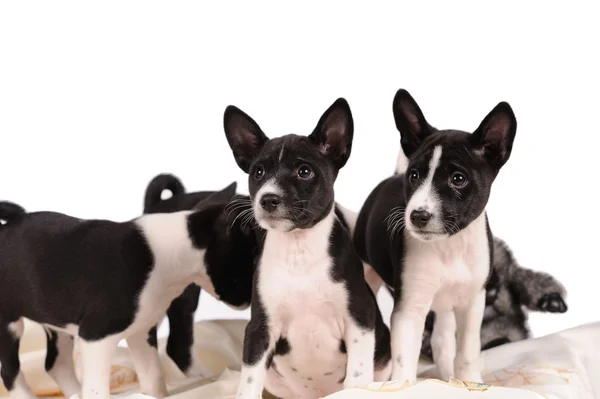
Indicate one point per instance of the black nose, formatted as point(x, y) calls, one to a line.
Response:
point(420, 218)
point(269, 202)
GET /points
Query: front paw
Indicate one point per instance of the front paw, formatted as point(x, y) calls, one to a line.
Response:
point(552, 303)
point(357, 381)
point(467, 371)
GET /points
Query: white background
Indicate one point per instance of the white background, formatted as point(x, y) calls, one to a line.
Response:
point(98, 97)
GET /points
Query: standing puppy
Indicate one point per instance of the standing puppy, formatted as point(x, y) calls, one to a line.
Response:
point(231, 254)
point(100, 280)
point(511, 291)
point(426, 234)
point(315, 327)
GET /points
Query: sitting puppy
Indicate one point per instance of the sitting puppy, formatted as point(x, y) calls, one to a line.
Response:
point(230, 262)
point(315, 327)
point(99, 280)
point(237, 235)
point(426, 234)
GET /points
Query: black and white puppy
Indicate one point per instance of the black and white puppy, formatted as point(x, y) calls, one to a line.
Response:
point(426, 234)
point(315, 326)
point(511, 292)
point(101, 281)
point(230, 260)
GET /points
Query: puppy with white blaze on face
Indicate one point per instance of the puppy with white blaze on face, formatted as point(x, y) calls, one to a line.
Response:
point(315, 327)
point(426, 234)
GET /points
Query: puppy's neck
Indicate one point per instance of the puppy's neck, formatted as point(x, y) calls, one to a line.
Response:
point(299, 248)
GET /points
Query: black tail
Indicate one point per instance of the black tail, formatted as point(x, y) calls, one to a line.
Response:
point(10, 212)
point(157, 185)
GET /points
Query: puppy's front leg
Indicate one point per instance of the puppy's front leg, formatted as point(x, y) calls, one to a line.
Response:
point(96, 357)
point(147, 366)
point(259, 344)
point(407, 326)
point(443, 343)
point(360, 346)
point(468, 322)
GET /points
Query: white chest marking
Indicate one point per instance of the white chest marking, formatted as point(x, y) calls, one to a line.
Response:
point(305, 306)
point(455, 268)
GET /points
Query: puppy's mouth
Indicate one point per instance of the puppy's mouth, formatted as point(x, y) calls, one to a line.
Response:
point(278, 222)
point(427, 235)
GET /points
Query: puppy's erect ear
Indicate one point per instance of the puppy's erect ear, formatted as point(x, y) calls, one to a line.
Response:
point(221, 197)
point(495, 135)
point(334, 132)
point(243, 135)
point(410, 122)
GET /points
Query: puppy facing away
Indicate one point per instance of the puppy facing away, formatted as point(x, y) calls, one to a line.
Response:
point(101, 281)
point(230, 258)
point(315, 327)
point(426, 234)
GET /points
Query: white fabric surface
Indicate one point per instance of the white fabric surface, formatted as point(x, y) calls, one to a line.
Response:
point(565, 365)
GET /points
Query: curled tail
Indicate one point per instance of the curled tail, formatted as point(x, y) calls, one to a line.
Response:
point(10, 212)
point(157, 185)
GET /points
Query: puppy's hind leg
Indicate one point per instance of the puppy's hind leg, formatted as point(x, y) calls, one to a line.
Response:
point(10, 367)
point(180, 344)
point(59, 362)
point(147, 366)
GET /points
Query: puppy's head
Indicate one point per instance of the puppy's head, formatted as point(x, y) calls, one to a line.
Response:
point(450, 172)
point(291, 177)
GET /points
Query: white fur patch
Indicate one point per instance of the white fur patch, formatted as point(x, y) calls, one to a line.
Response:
point(17, 328)
point(445, 275)
point(425, 197)
point(304, 305)
point(177, 264)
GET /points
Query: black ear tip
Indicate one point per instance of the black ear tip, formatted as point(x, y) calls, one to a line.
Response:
point(341, 103)
point(230, 111)
point(505, 108)
point(402, 94)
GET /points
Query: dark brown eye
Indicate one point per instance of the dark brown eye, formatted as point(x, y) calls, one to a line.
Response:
point(305, 172)
point(458, 179)
point(413, 175)
point(259, 172)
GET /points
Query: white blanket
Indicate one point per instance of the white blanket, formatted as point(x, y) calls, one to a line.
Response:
point(564, 365)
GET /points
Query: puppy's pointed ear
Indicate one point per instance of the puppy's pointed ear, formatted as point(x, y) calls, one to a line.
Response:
point(334, 132)
point(495, 135)
point(410, 122)
point(221, 197)
point(243, 135)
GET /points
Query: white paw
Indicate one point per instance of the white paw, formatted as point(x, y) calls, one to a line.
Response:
point(357, 381)
point(468, 371)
